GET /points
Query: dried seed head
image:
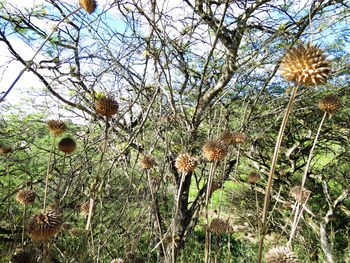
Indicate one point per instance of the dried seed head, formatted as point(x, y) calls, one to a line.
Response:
point(299, 195)
point(88, 5)
point(240, 137)
point(186, 162)
point(215, 186)
point(117, 260)
point(330, 104)
point(306, 65)
point(130, 255)
point(106, 106)
point(85, 207)
point(56, 127)
point(22, 256)
point(75, 232)
point(214, 150)
point(44, 225)
point(139, 260)
point(147, 161)
point(5, 149)
point(253, 177)
point(219, 226)
point(67, 145)
point(332, 217)
point(26, 196)
point(281, 254)
point(228, 137)
point(66, 226)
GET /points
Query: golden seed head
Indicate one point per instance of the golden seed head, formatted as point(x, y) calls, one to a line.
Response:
point(66, 226)
point(5, 149)
point(186, 162)
point(75, 232)
point(84, 208)
point(219, 226)
point(117, 260)
point(228, 137)
point(139, 260)
point(88, 5)
point(214, 150)
point(281, 254)
point(67, 145)
point(26, 196)
point(56, 127)
point(299, 195)
point(306, 65)
point(330, 104)
point(147, 161)
point(253, 177)
point(106, 106)
point(44, 225)
point(22, 256)
point(130, 255)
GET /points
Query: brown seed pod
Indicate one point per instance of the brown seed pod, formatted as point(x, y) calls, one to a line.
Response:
point(214, 150)
point(299, 195)
point(228, 137)
point(88, 5)
point(67, 145)
point(75, 232)
point(330, 104)
point(240, 137)
point(147, 162)
point(130, 255)
point(66, 226)
point(44, 225)
point(219, 226)
point(5, 149)
point(306, 65)
point(106, 106)
point(281, 254)
point(56, 127)
point(22, 256)
point(215, 186)
point(26, 196)
point(253, 177)
point(117, 260)
point(85, 207)
point(186, 162)
point(140, 260)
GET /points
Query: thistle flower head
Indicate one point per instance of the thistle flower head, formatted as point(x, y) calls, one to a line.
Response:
point(56, 127)
point(67, 145)
point(228, 137)
point(130, 255)
point(85, 207)
point(219, 226)
point(22, 256)
point(253, 177)
point(26, 196)
point(299, 195)
point(66, 226)
point(281, 254)
point(214, 150)
point(139, 260)
point(106, 106)
point(186, 162)
point(88, 5)
point(5, 149)
point(147, 162)
point(330, 104)
point(75, 232)
point(306, 65)
point(240, 137)
point(44, 225)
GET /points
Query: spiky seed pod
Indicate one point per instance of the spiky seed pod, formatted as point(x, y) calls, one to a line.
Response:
point(5, 149)
point(56, 127)
point(66, 226)
point(85, 207)
point(26, 196)
point(75, 232)
point(186, 162)
point(331, 217)
point(44, 225)
point(214, 150)
point(228, 137)
point(88, 5)
point(117, 260)
point(67, 145)
point(139, 260)
point(306, 65)
point(281, 254)
point(106, 106)
point(130, 255)
point(219, 226)
point(22, 256)
point(147, 162)
point(215, 186)
point(330, 104)
point(253, 177)
point(240, 137)
point(299, 195)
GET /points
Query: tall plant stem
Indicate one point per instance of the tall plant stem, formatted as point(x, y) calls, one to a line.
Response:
point(24, 220)
point(210, 181)
point(60, 180)
point(272, 171)
point(307, 167)
point(30, 62)
point(97, 177)
point(48, 169)
point(8, 192)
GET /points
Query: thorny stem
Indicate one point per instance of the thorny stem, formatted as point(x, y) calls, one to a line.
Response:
point(272, 171)
point(24, 220)
point(48, 169)
point(60, 180)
